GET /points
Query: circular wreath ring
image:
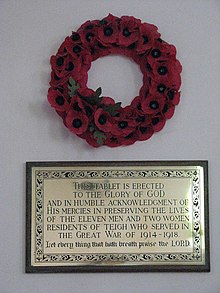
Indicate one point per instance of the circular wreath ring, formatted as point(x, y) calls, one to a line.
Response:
point(99, 119)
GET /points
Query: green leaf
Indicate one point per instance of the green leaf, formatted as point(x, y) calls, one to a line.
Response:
point(73, 87)
point(100, 137)
point(112, 109)
point(98, 92)
point(94, 100)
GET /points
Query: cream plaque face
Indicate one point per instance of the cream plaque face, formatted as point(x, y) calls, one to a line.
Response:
point(116, 216)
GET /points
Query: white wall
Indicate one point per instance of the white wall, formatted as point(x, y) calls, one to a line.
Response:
point(30, 32)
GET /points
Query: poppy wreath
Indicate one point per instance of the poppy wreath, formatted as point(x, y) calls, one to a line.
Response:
point(99, 119)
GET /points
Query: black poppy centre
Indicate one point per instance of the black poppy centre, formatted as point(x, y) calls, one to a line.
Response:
point(102, 119)
point(162, 70)
point(122, 124)
point(70, 66)
point(60, 100)
point(108, 31)
point(161, 88)
point(60, 61)
point(77, 49)
point(145, 39)
point(89, 36)
point(77, 123)
point(154, 105)
point(75, 37)
point(126, 32)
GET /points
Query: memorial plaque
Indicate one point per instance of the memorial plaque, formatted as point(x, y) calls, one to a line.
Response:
point(117, 216)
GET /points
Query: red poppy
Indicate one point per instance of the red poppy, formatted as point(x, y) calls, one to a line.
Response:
point(75, 49)
point(108, 30)
point(158, 122)
point(58, 62)
point(129, 139)
point(158, 88)
point(88, 26)
point(168, 72)
point(57, 79)
point(72, 45)
point(148, 34)
point(129, 32)
point(168, 110)
point(136, 104)
point(160, 51)
point(152, 104)
point(57, 100)
point(115, 141)
point(144, 131)
point(88, 33)
point(112, 141)
point(123, 125)
point(77, 104)
point(103, 120)
point(77, 122)
point(173, 96)
point(76, 38)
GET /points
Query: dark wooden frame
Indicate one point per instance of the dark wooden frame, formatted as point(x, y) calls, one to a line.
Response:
point(125, 268)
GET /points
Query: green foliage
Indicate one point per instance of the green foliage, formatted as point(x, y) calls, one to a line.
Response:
point(112, 109)
point(95, 99)
point(99, 136)
point(98, 92)
point(73, 87)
